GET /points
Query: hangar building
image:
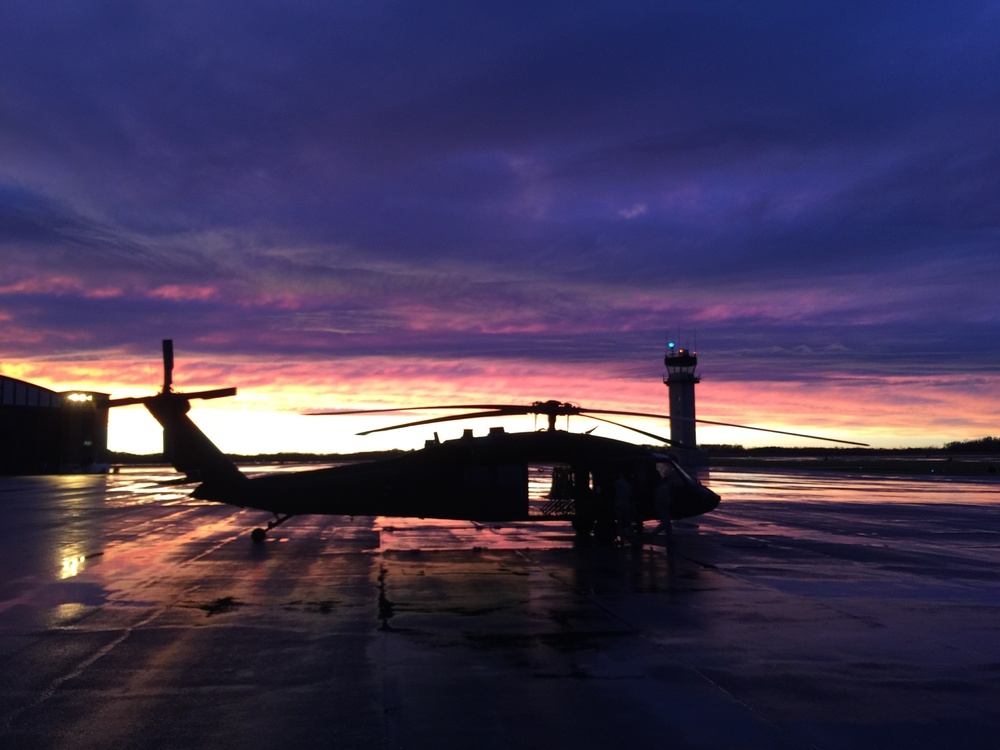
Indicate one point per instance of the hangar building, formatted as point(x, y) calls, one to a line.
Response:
point(45, 432)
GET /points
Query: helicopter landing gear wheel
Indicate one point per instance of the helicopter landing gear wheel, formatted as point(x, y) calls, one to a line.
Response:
point(259, 535)
point(604, 530)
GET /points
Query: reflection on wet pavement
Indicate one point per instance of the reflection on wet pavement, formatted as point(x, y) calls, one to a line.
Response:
point(807, 612)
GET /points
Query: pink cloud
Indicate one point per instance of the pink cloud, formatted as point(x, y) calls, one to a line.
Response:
point(184, 293)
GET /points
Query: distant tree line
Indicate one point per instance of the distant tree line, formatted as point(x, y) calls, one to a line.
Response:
point(982, 445)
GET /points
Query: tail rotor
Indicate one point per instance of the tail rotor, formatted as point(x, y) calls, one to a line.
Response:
point(184, 445)
point(168, 365)
point(167, 392)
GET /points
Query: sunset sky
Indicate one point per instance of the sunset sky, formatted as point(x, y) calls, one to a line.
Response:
point(368, 204)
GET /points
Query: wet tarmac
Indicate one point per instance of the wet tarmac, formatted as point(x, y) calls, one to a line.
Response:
point(807, 612)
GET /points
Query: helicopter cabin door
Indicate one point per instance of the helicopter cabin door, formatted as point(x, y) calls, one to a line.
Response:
point(496, 491)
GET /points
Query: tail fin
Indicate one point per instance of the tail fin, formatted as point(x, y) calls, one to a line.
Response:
point(190, 451)
point(184, 445)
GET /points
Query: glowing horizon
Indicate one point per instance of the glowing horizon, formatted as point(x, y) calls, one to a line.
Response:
point(267, 416)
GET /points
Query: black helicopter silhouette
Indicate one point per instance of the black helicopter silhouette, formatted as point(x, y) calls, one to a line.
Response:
point(482, 479)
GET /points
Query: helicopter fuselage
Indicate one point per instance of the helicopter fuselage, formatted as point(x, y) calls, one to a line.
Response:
point(471, 478)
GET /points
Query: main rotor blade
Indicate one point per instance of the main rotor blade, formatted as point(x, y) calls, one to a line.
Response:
point(560, 409)
point(777, 432)
point(492, 413)
point(624, 413)
point(339, 413)
point(588, 412)
point(668, 441)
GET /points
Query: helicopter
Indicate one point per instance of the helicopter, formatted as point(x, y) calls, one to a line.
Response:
point(480, 479)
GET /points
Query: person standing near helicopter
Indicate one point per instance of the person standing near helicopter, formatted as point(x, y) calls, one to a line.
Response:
point(624, 509)
point(662, 497)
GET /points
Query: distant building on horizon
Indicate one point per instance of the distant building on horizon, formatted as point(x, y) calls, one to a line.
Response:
point(46, 432)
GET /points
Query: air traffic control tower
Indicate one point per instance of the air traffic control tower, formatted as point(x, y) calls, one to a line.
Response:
point(680, 381)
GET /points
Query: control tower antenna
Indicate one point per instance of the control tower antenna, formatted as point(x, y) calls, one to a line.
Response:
point(680, 381)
